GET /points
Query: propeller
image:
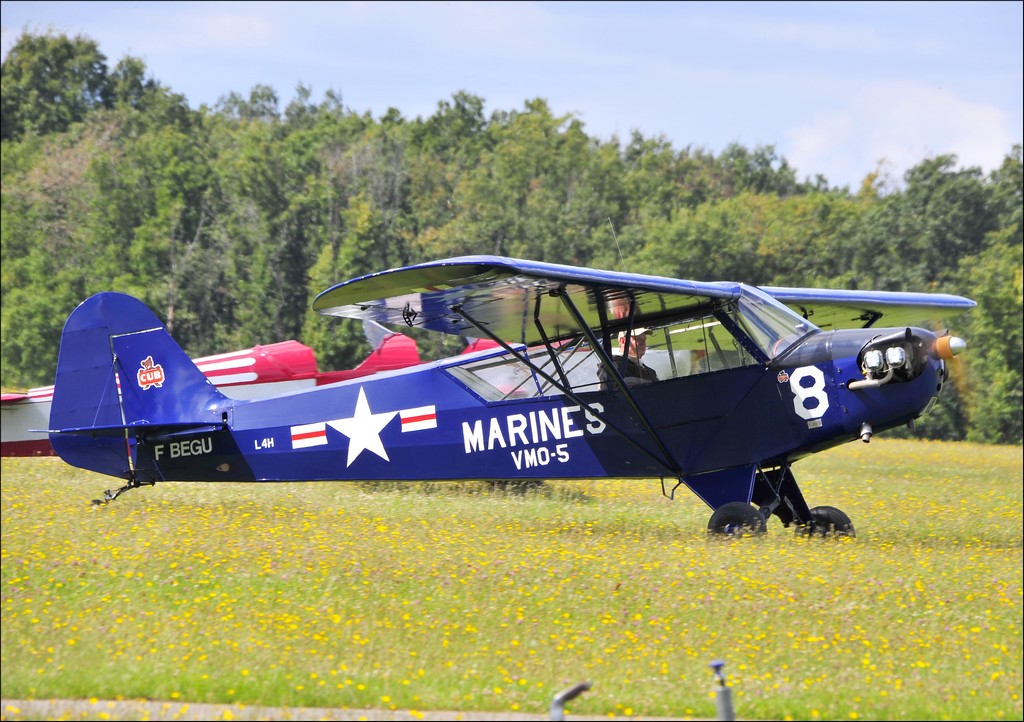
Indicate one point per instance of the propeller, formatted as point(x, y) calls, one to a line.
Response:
point(947, 347)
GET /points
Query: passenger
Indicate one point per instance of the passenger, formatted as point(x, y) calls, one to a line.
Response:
point(635, 371)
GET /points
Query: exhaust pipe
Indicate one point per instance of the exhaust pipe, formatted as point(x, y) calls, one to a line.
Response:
point(865, 432)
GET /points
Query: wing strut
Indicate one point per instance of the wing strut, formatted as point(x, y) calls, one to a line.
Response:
point(665, 458)
point(547, 344)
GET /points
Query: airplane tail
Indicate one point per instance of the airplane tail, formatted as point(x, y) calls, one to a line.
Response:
point(120, 375)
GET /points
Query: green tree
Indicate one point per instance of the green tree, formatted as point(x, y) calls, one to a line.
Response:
point(660, 180)
point(440, 151)
point(542, 191)
point(129, 84)
point(46, 256)
point(48, 82)
point(262, 104)
point(759, 171)
point(1008, 195)
point(456, 133)
point(798, 244)
point(339, 343)
point(996, 350)
point(717, 241)
point(914, 240)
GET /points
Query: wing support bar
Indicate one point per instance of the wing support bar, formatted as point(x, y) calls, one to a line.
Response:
point(547, 344)
point(627, 340)
point(665, 459)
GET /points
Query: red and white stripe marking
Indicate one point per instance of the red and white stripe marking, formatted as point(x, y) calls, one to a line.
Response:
point(306, 435)
point(43, 393)
point(226, 368)
point(419, 418)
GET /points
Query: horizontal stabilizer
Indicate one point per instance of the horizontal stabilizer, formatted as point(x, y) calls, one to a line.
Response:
point(153, 431)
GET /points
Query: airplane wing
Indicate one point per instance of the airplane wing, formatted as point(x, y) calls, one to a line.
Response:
point(834, 309)
point(513, 299)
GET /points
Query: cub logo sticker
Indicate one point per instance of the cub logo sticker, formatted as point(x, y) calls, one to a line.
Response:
point(151, 374)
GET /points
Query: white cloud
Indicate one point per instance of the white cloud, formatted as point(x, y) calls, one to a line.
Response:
point(227, 30)
point(902, 123)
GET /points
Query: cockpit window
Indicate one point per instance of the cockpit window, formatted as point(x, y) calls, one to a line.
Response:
point(768, 323)
point(745, 332)
point(503, 376)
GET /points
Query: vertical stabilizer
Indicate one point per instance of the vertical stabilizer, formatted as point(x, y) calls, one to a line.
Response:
point(120, 374)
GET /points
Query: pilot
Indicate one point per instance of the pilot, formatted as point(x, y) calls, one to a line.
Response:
point(635, 372)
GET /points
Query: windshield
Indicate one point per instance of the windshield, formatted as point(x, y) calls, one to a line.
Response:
point(770, 324)
point(748, 331)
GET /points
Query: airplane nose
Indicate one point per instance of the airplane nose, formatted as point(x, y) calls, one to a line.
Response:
point(946, 347)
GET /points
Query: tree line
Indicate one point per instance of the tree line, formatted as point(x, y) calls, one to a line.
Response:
point(227, 220)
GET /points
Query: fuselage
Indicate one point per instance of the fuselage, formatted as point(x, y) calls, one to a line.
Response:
point(428, 422)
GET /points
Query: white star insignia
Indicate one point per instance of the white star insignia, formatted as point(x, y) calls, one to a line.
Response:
point(363, 429)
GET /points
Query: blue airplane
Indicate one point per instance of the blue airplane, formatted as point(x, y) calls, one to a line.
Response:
point(719, 387)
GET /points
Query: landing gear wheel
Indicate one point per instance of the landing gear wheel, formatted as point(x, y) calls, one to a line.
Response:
point(736, 519)
point(827, 520)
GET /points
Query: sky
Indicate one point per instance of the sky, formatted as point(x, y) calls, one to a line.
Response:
point(840, 89)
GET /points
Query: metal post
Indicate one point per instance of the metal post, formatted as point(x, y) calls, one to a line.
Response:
point(557, 711)
point(723, 695)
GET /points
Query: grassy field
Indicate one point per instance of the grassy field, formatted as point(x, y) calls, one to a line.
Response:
point(459, 597)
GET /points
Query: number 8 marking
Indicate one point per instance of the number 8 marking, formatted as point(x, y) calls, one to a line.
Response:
point(802, 393)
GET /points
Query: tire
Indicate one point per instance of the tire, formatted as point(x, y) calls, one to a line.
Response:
point(827, 520)
point(737, 518)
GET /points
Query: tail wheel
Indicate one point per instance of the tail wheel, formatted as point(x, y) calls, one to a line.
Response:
point(826, 520)
point(737, 518)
